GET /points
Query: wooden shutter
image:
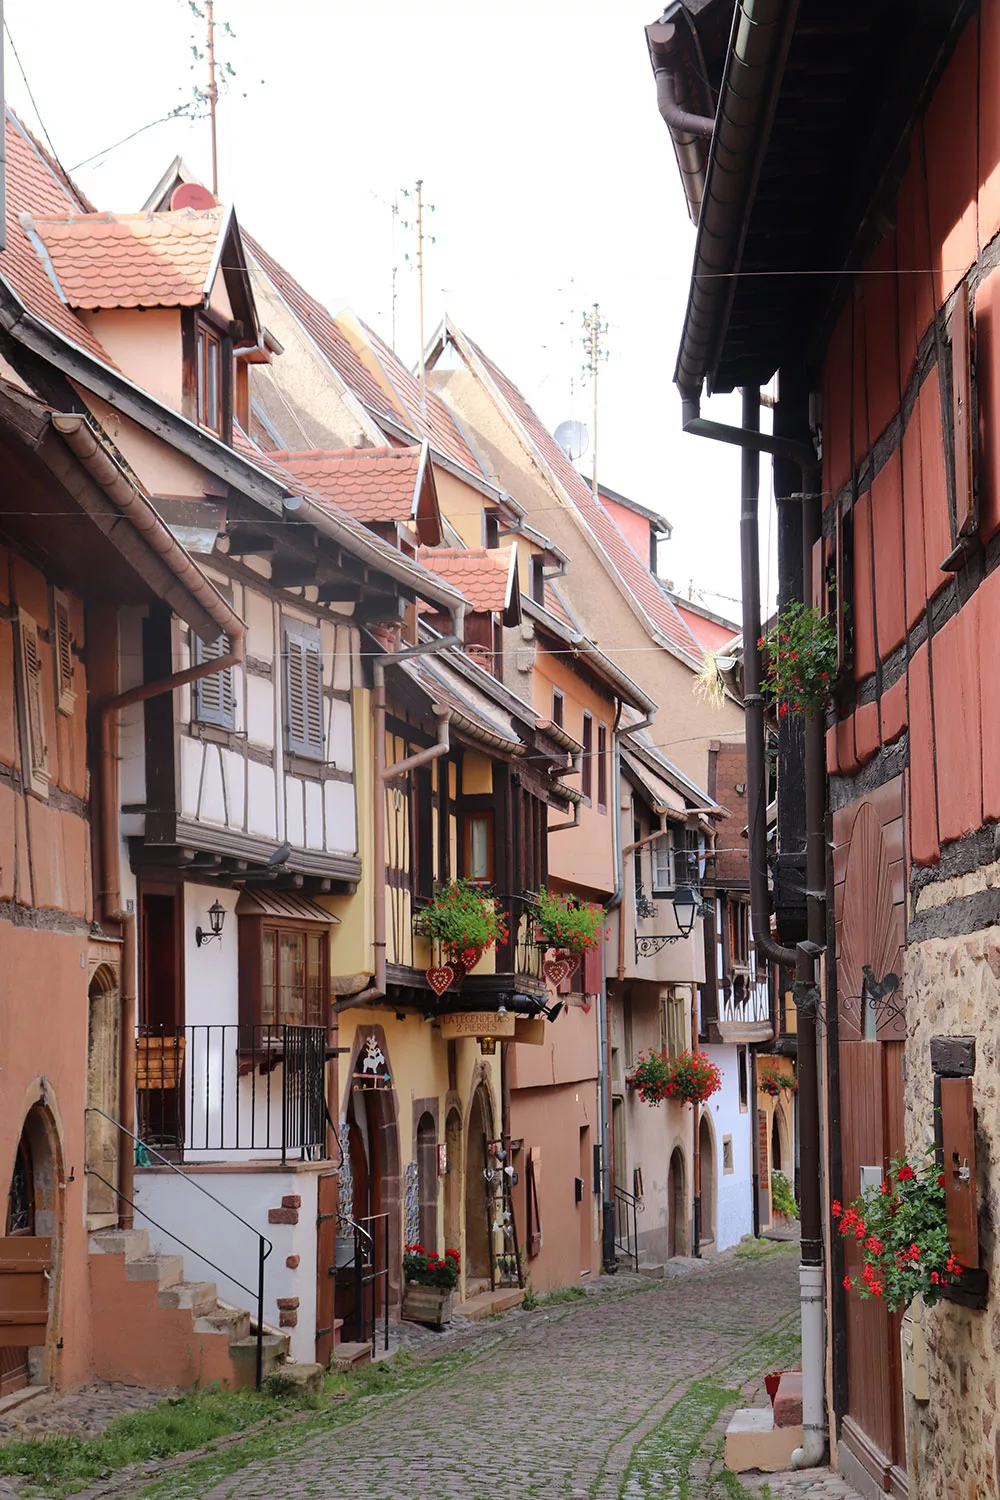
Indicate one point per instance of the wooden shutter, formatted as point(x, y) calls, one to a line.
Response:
point(214, 697)
point(961, 391)
point(65, 695)
point(304, 693)
point(534, 1215)
point(36, 750)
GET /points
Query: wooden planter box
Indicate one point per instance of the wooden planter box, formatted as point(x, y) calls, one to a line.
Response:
point(159, 1062)
point(427, 1304)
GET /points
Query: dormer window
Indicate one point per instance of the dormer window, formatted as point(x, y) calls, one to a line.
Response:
point(210, 391)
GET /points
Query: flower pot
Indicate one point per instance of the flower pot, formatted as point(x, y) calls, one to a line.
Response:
point(771, 1383)
point(427, 1304)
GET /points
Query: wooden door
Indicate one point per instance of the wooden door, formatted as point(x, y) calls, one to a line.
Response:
point(103, 1057)
point(327, 1205)
point(25, 1267)
point(160, 1084)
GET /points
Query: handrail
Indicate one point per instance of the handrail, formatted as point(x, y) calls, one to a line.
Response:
point(262, 1239)
point(363, 1236)
point(627, 1207)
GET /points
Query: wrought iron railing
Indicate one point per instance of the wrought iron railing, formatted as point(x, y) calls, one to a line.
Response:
point(368, 1273)
point(232, 1088)
point(745, 998)
point(627, 1210)
point(264, 1246)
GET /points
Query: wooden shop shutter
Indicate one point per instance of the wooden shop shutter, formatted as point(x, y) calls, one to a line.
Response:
point(214, 697)
point(304, 692)
point(65, 695)
point(531, 1198)
point(36, 750)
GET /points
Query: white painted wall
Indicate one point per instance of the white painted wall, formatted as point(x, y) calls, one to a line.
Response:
point(187, 1215)
point(734, 1211)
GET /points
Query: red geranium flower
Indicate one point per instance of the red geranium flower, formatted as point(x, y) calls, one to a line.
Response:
point(905, 1173)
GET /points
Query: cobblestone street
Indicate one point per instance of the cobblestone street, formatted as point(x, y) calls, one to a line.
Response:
point(621, 1395)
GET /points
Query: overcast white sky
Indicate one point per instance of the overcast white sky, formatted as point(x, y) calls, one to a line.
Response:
point(534, 127)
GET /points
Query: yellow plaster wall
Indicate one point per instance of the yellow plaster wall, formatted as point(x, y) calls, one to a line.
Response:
point(145, 344)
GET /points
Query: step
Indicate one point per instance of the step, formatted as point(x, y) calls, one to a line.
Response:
point(654, 1272)
point(754, 1442)
point(165, 1270)
point(243, 1353)
point(345, 1356)
point(132, 1243)
point(308, 1377)
point(233, 1321)
point(485, 1304)
point(200, 1296)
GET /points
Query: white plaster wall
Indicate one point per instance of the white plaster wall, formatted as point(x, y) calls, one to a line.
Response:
point(734, 1211)
point(188, 1216)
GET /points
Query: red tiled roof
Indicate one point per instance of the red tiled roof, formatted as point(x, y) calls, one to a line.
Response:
point(35, 186)
point(639, 581)
point(480, 573)
point(321, 328)
point(130, 260)
point(556, 607)
point(371, 484)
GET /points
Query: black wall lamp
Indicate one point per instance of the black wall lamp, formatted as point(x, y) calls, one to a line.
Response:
point(686, 908)
point(217, 917)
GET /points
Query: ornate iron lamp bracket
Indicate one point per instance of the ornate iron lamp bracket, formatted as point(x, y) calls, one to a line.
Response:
point(649, 947)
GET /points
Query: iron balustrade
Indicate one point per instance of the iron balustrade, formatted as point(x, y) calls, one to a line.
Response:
point(746, 999)
point(232, 1088)
point(264, 1245)
point(627, 1210)
point(369, 1266)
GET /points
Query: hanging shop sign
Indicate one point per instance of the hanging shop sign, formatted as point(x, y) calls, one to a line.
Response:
point(477, 1023)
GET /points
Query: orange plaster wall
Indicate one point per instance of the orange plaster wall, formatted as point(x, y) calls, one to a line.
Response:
point(551, 1118)
point(632, 526)
point(568, 1054)
point(581, 857)
point(43, 1035)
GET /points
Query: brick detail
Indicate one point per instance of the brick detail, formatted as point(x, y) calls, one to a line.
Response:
point(288, 1302)
point(291, 1201)
point(292, 1262)
point(282, 1216)
point(288, 1312)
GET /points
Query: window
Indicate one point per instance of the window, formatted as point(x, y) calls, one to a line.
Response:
point(65, 694)
point(214, 697)
point(587, 769)
point(31, 708)
point(293, 977)
point(602, 768)
point(741, 1067)
point(303, 692)
point(491, 529)
point(674, 1022)
point(479, 846)
point(558, 707)
point(538, 579)
point(739, 934)
point(727, 1154)
point(661, 864)
point(209, 357)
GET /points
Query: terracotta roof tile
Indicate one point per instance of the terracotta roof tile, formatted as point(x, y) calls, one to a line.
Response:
point(371, 484)
point(35, 186)
point(129, 260)
point(481, 573)
point(662, 612)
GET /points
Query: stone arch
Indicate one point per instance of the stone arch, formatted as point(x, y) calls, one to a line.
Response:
point(38, 1147)
point(709, 1167)
point(104, 1045)
point(479, 1122)
point(781, 1151)
point(372, 1118)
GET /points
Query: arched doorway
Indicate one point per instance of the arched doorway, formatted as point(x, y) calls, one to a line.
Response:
point(676, 1217)
point(453, 1181)
point(371, 1191)
point(427, 1180)
point(28, 1248)
point(478, 1248)
point(706, 1154)
point(103, 1098)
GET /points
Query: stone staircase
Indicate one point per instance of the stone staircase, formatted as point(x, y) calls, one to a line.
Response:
point(154, 1328)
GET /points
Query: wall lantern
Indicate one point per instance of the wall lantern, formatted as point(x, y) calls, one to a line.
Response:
point(488, 1045)
point(686, 909)
point(217, 917)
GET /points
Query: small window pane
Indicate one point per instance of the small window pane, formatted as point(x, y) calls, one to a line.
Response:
point(291, 978)
point(661, 864)
point(479, 849)
point(267, 980)
point(314, 980)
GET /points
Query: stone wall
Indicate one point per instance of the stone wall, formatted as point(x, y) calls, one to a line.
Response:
point(953, 988)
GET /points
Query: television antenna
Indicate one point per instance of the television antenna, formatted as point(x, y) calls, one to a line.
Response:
point(594, 330)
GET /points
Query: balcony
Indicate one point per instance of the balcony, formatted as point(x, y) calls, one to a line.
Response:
point(746, 1009)
point(247, 1091)
point(502, 976)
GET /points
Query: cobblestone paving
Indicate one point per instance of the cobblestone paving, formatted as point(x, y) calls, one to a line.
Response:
point(82, 1413)
point(618, 1396)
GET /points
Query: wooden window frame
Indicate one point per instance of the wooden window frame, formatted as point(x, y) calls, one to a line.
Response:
point(62, 636)
point(31, 706)
point(558, 707)
point(197, 327)
point(587, 759)
point(486, 816)
point(538, 579)
point(664, 844)
point(602, 767)
point(254, 933)
point(491, 530)
point(739, 927)
point(303, 653)
point(214, 698)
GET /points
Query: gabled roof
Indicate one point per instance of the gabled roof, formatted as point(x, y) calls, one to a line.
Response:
point(635, 580)
point(373, 484)
point(604, 491)
point(487, 576)
point(129, 260)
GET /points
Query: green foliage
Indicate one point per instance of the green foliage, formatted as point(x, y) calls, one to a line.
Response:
point(902, 1233)
point(567, 922)
point(801, 650)
point(427, 1268)
point(571, 1293)
point(773, 1083)
point(782, 1197)
point(465, 919)
point(531, 1298)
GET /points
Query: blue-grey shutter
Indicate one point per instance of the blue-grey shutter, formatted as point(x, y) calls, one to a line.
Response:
point(214, 697)
point(303, 692)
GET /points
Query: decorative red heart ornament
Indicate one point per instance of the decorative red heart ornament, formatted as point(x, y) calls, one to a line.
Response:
point(556, 970)
point(440, 978)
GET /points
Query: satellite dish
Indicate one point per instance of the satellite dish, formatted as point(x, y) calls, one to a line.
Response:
point(191, 195)
point(573, 438)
